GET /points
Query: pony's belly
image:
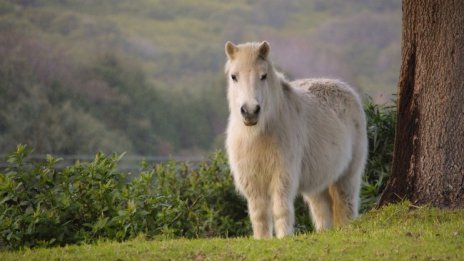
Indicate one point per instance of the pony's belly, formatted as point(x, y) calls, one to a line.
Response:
point(313, 184)
point(318, 172)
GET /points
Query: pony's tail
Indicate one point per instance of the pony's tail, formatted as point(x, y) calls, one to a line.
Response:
point(340, 210)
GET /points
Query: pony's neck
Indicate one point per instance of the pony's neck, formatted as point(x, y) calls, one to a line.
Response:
point(277, 106)
point(280, 86)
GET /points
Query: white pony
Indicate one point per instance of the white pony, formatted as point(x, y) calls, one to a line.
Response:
point(283, 138)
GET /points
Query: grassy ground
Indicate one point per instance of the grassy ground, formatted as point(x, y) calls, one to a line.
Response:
point(399, 232)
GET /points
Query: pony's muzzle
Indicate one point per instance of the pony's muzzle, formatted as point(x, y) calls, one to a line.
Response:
point(250, 116)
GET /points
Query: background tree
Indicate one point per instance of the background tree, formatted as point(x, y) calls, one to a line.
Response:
point(428, 161)
point(77, 77)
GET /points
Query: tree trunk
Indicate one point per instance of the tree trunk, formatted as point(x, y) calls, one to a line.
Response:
point(428, 160)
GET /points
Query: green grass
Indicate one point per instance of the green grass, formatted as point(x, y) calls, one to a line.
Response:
point(397, 232)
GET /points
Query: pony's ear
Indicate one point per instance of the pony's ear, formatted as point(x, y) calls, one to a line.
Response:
point(231, 50)
point(264, 49)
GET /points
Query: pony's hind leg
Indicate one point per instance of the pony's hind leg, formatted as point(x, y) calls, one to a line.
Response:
point(260, 216)
point(320, 206)
point(345, 193)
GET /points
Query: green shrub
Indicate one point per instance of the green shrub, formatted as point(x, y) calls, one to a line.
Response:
point(42, 205)
point(381, 121)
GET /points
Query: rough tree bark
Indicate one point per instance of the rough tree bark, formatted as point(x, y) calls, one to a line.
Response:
point(428, 161)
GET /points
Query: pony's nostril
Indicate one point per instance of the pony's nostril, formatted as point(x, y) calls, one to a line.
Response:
point(249, 113)
point(243, 110)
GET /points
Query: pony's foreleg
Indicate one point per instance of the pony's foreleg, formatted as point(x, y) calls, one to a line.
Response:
point(284, 215)
point(260, 216)
point(321, 209)
point(283, 195)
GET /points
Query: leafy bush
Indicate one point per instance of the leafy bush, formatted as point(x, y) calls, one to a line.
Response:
point(381, 121)
point(41, 205)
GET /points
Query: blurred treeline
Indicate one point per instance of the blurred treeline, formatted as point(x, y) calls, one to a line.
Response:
point(145, 76)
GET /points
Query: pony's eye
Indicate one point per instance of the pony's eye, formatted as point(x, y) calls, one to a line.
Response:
point(263, 77)
point(234, 77)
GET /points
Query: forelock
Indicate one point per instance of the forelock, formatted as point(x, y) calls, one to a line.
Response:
point(249, 52)
point(247, 55)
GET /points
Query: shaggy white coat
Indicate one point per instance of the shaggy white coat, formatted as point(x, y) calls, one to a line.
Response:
point(309, 138)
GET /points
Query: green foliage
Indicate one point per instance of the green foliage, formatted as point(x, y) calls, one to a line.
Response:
point(42, 205)
point(36, 106)
point(147, 72)
point(104, 101)
point(381, 122)
point(201, 202)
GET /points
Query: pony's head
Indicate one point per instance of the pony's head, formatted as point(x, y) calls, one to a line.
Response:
point(250, 76)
